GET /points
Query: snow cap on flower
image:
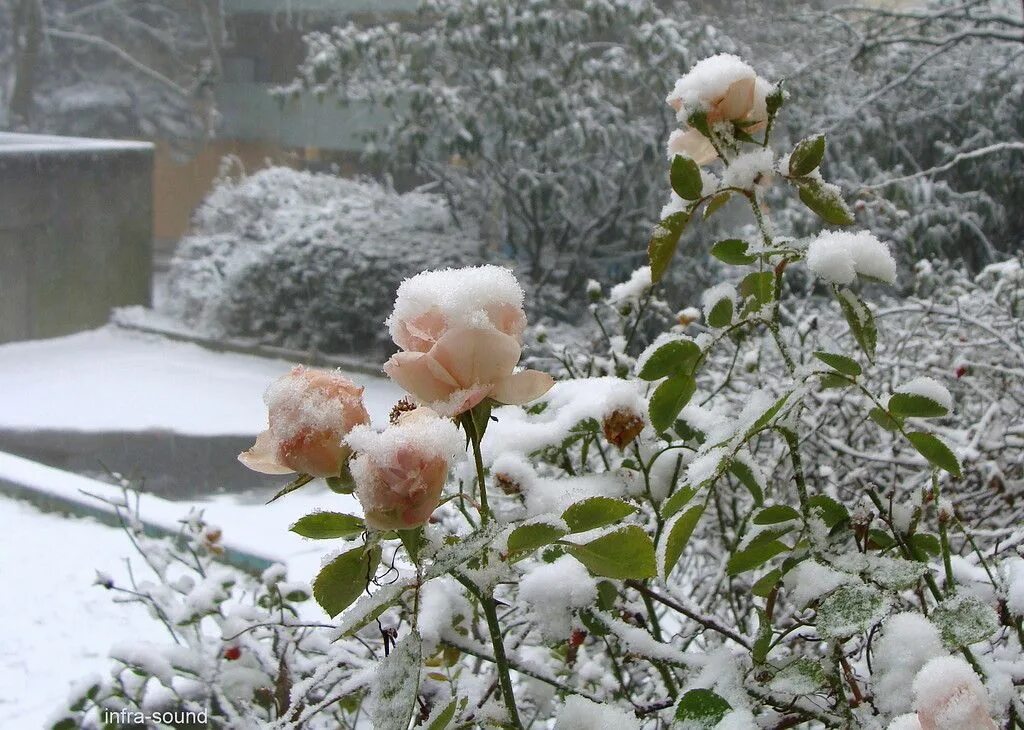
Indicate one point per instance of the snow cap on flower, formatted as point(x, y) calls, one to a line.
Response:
point(948, 695)
point(310, 411)
point(838, 256)
point(460, 331)
point(725, 89)
point(399, 472)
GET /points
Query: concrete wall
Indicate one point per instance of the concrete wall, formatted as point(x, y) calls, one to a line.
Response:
point(75, 232)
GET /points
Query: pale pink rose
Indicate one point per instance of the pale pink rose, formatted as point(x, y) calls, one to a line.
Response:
point(460, 332)
point(950, 696)
point(400, 472)
point(310, 412)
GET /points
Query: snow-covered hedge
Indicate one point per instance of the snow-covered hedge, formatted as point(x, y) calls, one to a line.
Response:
point(307, 260)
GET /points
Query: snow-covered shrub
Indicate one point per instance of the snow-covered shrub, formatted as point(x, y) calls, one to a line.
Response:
point(307, 260)
point(759, 522)
point(539, 119)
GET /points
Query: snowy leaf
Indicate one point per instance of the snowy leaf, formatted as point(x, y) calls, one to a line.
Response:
point(802, 676)
point(674, 538)
point(764, 585)
point(685, 178)
point(775, 514)
point(664, 241)
point(839, 363)
point(851, 609)
point(442, 720)
point(758, 284)
point(369, 607)
point(825, 200)
point(326, 525)
point(965, 619)
point(924, 544)
point(677, 501)
point(761, 549)
point(936, 452)
point(625, 553)
point(527, 538)
point(715, 203)
point(806, 156)
point(677, 356)
point(745, 474)
point(701, 708)
point(669, 399)
point(595, 512)
point(883, 419)
point(830, 511)
point(733, 251)
point(396, 684)
point(911, 404)
point(861, 321)
point(342, 580)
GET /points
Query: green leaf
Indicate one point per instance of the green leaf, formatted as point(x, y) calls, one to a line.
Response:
point(733, 251)
point(839, 363)
point(702, 708)
point(768, 415)
point(677, 533)
point(343, 579)
point(758, 284)
point(924, 545)
point(676, 502)
point(964, 619)
point(442, 721)
point(762, 644)
point(775, 514)
point(936, 452)
point(830, 511)
point(327, 525)
point(396, 685)
point(669, 399)
point(721, 313)
point(715, 203)
point(806, 156)
point(825, 200)
point(595, 512)
point(699, 121)
point(527, 538)
point(774, 100)
point(746, 476)
point(766, 582)
point(606, 595)
point(625, 553)
point(300, 481)
point(677, 356)
point(664, 241)
point(834, 380)
point(912, 404)
point(851, 609)
point(883, 419)
point(762, 548)
point(413, 540)
point(861, 321)
point(685, 178)
point(880, 540)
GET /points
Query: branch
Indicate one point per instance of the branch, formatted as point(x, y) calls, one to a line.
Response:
point(952, 162)
point(702, 620)
point(120, 53)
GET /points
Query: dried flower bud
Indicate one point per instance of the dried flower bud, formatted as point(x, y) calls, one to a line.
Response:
point(507, 484)
point(622, 426)
point(403, 406)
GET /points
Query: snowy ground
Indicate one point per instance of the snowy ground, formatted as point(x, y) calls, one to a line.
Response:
point(57, 626)
point(112, 379)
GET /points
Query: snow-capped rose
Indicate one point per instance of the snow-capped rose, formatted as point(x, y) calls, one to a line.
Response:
point(727, 90)
point(310, 412)
point(460, 332)
point(949, 696)
point(399, 472)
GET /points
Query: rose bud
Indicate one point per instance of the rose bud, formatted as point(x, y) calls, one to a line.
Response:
point(460, 331)
point(622, 426)
point(310, 413)
point(399, 472)
point(232, 653)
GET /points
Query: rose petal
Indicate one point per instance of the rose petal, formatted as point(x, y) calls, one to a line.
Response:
point(414, 372)
point(262, 456)
point(691, 143)
point(522, 387)
point(737, 102)
point(476, 356)
point(461, 401)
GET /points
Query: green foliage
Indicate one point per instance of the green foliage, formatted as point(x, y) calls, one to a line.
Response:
point(669, 399)
point(964, 619)
point(676, 534)
point(664, 241)
point(733, 251)
point(624, 553)
point(342, 580)
point(806, 156)
point(595, 512)
point(702, 708)
point(936, 452)
point(685, 178)
point(326, 525)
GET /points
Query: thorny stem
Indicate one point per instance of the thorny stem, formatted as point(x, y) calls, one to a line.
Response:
point(474, 438)
point(702, 620)
point(947, 564)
